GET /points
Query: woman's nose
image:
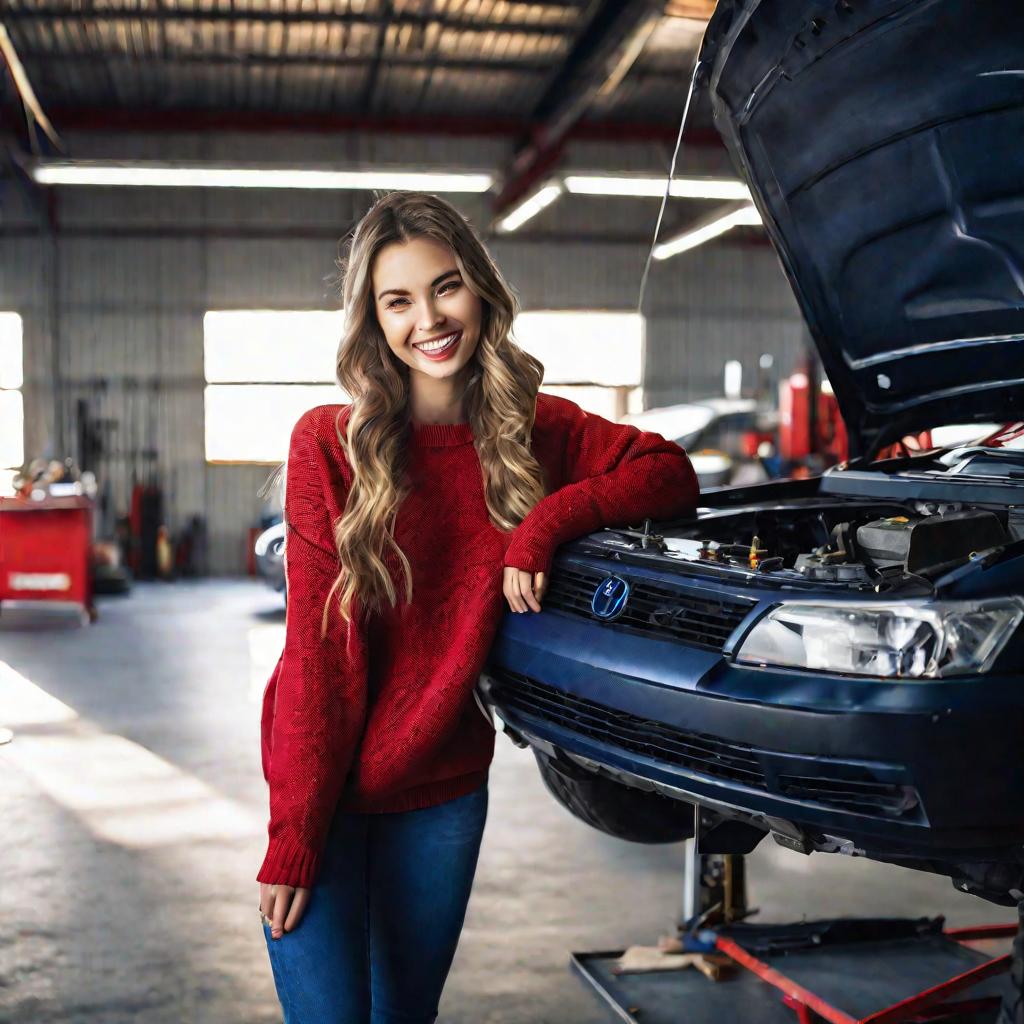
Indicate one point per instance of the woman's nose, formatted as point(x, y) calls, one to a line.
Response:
point(430, 315)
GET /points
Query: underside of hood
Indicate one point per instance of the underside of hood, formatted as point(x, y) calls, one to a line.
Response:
point(883, 142)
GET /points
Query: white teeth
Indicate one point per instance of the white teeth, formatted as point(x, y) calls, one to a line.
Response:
point(436, 346)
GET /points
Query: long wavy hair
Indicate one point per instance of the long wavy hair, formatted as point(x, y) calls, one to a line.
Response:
point(499, 396)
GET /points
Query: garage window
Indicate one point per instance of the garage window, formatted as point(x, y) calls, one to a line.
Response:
point(594, 357)
point(264, 368)
point(12, 409)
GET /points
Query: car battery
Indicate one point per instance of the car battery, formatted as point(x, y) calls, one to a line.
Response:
point(45, 552)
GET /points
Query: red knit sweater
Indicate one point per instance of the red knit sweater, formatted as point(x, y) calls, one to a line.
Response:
point(386, 720)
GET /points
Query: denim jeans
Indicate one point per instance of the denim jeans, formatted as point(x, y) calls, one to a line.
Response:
point(378, 936)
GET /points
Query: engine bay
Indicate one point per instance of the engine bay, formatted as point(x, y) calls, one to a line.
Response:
point(864, 546)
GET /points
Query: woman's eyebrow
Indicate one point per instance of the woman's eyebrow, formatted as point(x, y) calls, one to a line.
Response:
point(433, 284)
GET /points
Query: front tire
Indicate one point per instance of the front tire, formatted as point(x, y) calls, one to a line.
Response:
point(613, 808)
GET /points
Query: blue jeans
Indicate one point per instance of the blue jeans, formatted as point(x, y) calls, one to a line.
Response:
point(378, 936)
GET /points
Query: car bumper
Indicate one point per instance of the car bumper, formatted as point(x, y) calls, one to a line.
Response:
point(914, 769)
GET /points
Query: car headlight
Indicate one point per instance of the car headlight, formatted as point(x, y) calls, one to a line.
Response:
point(904, 641)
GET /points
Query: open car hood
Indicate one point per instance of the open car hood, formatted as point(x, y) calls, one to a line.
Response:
point(883, 142)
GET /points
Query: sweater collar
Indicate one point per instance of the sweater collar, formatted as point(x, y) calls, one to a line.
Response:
point(436, 435)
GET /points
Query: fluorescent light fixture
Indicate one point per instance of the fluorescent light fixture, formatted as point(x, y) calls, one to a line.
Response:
point(531, 206)
point(718, 225)
point(159, 174)
point(643, 186)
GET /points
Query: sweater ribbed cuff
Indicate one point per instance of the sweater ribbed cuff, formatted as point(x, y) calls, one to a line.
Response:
point(532, 556)
point(288, 863)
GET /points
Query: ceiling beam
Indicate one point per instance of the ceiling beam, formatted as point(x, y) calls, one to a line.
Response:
point(238, 59)
point(522, 24)
point(369, 94)
point(231, 58)
point(145, 120)
point(222, 58)
point(601, 57)
point(26, 93)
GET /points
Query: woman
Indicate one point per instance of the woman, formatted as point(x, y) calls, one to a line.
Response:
point(451, 479)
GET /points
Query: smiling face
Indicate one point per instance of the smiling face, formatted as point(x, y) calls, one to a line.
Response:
point(420, 297)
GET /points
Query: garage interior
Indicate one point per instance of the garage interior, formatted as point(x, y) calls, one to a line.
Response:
point(160, 332)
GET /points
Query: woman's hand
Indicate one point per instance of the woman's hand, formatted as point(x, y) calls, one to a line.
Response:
point(524, 588)
point(284, 905)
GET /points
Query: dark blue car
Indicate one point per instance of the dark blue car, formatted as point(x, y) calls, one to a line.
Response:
point(839, 661)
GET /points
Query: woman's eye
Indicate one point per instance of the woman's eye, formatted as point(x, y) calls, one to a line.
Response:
point(443, 290)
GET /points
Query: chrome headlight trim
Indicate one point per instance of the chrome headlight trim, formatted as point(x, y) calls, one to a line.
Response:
point(904, 640)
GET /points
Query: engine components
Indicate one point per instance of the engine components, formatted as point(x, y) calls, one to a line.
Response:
point(932, 543)
point(865, 546)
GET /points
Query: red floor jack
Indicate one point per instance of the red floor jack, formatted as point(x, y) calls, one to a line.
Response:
point(843, 971)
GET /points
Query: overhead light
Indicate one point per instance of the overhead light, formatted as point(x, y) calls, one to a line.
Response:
point(158, 174)
point(531, 206)
point(645, 186)
point(705, 232)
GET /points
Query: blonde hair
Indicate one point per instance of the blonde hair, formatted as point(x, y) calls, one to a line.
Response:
point(499, 399)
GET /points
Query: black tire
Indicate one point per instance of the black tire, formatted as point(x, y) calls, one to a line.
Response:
point(613, 808)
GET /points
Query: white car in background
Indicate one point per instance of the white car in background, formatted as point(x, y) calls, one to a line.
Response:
point(712, 431)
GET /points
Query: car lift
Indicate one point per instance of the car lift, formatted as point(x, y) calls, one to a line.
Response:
point(843, 971)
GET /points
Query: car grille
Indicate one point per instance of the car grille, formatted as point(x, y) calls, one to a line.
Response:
point(863, 796)
point(706, 755)
point(651, 609)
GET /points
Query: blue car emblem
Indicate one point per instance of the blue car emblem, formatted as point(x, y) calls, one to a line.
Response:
point(609, 600)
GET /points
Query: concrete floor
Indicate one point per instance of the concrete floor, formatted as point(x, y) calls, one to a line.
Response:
point(134, 815)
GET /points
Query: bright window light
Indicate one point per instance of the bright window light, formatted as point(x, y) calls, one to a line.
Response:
point(12, 430)
point(643, 186)
point(582, 346)
point(252, 422)
point(169, 175)
point(12, 408)
point(264, 368)
point(607, 402)
point(11, 359)
point(733, 382)
point(262, 346)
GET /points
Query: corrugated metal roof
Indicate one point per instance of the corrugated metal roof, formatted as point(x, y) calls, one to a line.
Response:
point(361, 57)
point(290, 55)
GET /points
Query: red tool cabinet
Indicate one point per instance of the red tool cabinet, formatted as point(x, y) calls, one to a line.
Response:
point(45, 552)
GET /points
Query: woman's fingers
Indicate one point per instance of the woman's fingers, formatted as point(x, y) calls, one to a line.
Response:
point(283, 905)
point(526, 589)
point(511, 588)
point(298, 909)
point(523, 590)
point(282, 902)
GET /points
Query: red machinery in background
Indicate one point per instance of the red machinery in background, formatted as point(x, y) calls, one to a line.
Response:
point(45, 553)
point(812, 435)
